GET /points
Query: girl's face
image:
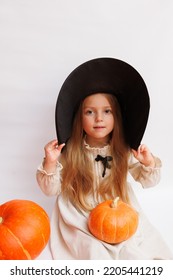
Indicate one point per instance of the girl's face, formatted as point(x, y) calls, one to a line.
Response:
point(97, 119)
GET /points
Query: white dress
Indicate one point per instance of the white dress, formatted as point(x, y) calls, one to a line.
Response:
point(70, 238)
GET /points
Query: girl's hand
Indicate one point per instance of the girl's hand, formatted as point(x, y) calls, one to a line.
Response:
point(52, 152)
point(144, 156)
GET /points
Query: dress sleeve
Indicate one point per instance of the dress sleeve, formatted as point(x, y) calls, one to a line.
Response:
point(147, 176)
point(50, 183)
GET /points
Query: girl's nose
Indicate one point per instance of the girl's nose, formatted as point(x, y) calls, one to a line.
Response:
point(99, 117)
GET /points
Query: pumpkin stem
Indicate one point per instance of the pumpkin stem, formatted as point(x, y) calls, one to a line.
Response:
point(1, 220)
point(115, 202)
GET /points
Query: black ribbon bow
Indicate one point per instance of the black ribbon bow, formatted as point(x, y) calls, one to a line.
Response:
point(105, 162)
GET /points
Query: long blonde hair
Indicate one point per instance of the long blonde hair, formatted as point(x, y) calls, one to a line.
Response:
point(77, 175)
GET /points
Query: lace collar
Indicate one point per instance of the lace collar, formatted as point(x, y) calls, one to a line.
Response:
point(104, 148)
point(94, 151)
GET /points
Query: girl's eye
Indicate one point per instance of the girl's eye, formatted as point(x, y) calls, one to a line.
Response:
point(108, 111)
point(89, 112)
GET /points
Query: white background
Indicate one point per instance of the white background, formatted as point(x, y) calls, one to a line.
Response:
point(41, 42)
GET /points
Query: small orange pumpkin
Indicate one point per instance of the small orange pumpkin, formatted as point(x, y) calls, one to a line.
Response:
point(24, 230)
point(113, 221)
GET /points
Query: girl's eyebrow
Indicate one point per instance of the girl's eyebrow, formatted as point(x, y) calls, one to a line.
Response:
point(93, 107)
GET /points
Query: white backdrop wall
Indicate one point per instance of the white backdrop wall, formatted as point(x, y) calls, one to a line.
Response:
point(41, 42)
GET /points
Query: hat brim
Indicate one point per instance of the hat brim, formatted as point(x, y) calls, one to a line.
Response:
point(108, 75)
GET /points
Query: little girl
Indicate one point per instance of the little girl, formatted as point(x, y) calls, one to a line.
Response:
point(92, 165)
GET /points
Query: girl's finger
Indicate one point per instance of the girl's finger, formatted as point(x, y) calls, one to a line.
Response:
point(143, 148)
point(134, 152)
point(59, 148)
point(51, 144)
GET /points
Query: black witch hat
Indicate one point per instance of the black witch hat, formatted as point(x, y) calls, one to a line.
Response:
point(105, 75)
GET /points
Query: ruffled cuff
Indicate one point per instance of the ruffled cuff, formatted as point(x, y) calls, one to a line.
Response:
point(58, 167)
point(158, 165)
point(50, 183)
point(146, 175)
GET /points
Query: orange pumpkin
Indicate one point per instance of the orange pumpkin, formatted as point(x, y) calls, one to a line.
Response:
point(24, 230)
point(113, 221)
